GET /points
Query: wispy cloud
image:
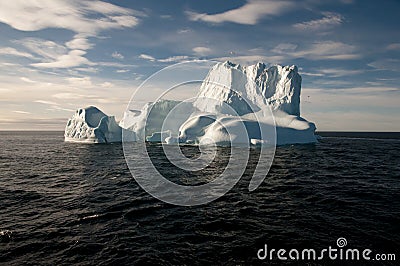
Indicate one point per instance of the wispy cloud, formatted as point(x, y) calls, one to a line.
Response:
point(350, 108)
point(251, 59)
point(320, 51)
point(329, 20)
point(68, 96)
point(147, 57)
point(79, 42)
point(117, 55)
point(178, 58)
point(201, 50)
point(80, 82)
point(59, 108)
point(386, 64)
point(21, 112)
point(333, 72)
point(171, 59)
point(14, 52)
point(106, 84)
point(72, 15)
point(28, 80)
point(182, 31)
point(248, 14)
point(44, 48)
point(46, 102)
point(73, 59)
point(284, 48)
point(393, 46)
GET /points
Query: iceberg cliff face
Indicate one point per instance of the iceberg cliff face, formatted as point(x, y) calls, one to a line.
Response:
point(90, 125)
point(278, 86)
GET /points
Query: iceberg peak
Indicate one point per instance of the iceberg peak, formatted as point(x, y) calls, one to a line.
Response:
point(279, 86)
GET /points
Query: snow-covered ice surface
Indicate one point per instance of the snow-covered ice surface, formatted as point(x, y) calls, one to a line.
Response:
point(90, 125)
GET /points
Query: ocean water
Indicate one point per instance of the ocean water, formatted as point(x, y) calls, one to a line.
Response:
point(64, 203)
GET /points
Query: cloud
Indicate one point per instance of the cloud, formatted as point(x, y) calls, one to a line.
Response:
point(59, 108)
point(166, 16)
point(350, 108)
point(77, 16)
point(46, 102)
point(122, 70)
point(178, 58)
point(80, 82)
point(27, 80)
point(85, 18)
point(106, 84)
point(329, 20)
point(248, 14)
point(79, 43)
point(14, 52)
point(311, 74)
point(44, 48)
point(87, 69)
point(393, 46)
point(252, 59)
point(21, 112)
point(117, 55)
point(321, 51)
point(182, 31)
point(200, 50)
point(73, 59)
point(386, 64)
point(54, 106)
point(284, 48)
point(337, 72)
point(147, 57)
point(113, 64)
point(31, 123)
point(333, 72)
point(68, 96)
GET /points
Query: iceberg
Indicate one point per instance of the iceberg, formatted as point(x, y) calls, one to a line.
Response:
point(90, 125)
point(251, 90)
point(234, 105)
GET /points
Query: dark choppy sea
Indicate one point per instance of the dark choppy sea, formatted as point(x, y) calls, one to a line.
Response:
point(63, 203)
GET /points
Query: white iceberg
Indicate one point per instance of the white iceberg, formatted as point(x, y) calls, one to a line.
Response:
point(234, 105)
point(90, 125)
point(248, 91)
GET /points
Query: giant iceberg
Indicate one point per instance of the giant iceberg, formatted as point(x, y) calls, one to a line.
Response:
point(90, 125)
point(253, 89)
point(234, 105)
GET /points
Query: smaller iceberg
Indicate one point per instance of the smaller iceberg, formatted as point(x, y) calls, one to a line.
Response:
point(90, 125)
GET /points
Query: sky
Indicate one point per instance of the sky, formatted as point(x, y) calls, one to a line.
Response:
point(57, 56)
